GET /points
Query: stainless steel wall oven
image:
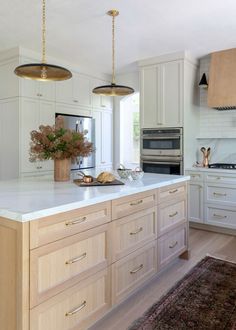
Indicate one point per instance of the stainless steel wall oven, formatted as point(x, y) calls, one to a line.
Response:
point(162, 150)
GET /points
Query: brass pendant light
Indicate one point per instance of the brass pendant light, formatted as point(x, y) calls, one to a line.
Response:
point(113, 89)
point(43, 71)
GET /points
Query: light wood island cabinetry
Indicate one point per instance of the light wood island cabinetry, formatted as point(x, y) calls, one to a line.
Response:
point(66, 270)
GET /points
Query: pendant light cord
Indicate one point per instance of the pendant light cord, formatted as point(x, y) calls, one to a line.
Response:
point(113, 49)
point(43, 31)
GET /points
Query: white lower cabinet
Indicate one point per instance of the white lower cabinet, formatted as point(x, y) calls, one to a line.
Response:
point(195, 202)
point(212, 198)
point(103, 137)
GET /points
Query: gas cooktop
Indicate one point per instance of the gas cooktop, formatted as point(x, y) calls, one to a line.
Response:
point(223, 166)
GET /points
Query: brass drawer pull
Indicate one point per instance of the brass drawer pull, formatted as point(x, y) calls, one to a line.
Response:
point(194, 175)
point(77, 309)
point(72, 261)
point(173, 245)
point(219, 194)
point(75, 222)
point(136, 203)
point(173, 214)
point(136, 269)
point(137, 231)
point(219, 216)
point(173, 191)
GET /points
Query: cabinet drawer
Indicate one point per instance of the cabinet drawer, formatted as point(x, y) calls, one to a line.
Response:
point(132, 232)
point(171, 245)
point(195, 176)
point(170, 192)
point(221, 178)
point(52, 228)
point(221, 194)
point(170, 215)
point(76, 308)
point(130, 272)
point(58, 265)
point(127, 205)
point(220, 216)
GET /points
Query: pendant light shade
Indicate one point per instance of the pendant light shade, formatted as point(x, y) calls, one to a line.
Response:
point(113, 89)
point(203, 82)
point(43, 71)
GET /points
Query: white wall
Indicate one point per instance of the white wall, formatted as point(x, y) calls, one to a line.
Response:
point(217, 128)
point(130, 79)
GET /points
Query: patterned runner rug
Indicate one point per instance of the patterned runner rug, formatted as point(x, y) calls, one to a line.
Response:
point(205, 299)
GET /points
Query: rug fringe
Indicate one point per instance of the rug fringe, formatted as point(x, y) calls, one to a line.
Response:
point(218, 258)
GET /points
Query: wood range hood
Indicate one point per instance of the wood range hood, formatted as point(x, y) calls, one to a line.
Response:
point(222, 80)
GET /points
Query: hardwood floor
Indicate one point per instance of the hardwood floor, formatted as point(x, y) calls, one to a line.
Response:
point(201, 243)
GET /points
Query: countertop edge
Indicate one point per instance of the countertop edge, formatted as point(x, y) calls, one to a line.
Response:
point(19, 217)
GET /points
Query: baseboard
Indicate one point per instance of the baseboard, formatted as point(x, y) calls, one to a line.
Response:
point(215, 229)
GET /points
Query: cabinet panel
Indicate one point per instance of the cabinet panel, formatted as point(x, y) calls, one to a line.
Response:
point(81, 90)
point(171, 245)
point(131, 204)
point(220, 216)
point(172, 100)
point(59, 265)
point(130, 272)
point(107, 138)
point(64, 91)
point(54, 227)
point(132, 232)
point(170, 215)
point(75, 308)
point(195, 206)
point(226, 195)
point(97, 115)
point(29, 121)
point(150, 96)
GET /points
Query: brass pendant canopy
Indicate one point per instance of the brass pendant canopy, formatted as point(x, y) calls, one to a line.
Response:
point(113, 89)
point(43, 71)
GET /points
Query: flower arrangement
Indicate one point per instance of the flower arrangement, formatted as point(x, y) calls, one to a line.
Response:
point(58, 143)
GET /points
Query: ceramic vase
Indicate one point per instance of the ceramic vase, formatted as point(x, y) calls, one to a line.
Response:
point(62, 169)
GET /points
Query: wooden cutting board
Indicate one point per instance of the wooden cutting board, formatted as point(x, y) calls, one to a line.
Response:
point(95, 183)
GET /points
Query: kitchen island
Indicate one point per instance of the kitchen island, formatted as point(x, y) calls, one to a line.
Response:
point(69, 254)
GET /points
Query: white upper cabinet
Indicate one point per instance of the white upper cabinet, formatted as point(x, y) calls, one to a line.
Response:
point(104, 137)
point(172, 89)
point(33, 114)
point(162, 95)
point(98, 101)
point(75, 91)
point(81, 90)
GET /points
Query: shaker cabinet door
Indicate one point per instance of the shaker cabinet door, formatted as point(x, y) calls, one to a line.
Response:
point(195, 202)
point(172, 89)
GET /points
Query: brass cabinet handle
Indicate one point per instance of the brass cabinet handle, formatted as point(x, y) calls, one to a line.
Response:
point(194, 175)
point(103, 106)
point(136, 269)
point(173, 191)
point(75, 222)
point(72, 261)
point(218, 178)
point(103, 162)
point(137, 231)
point(219, 216)
point(39, 167)
point(76, 101)
point(173, 214)
point(219, 194)
point(76, 310)
point(159, 124)
point(136, 203)
point(171, 246)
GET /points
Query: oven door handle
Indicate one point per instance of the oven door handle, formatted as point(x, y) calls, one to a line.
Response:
point(160, 163)
point(161, 138)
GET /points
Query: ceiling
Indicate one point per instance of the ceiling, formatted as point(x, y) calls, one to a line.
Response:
point(79, 30)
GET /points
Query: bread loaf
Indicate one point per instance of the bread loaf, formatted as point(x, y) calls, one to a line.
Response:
point(105, 177)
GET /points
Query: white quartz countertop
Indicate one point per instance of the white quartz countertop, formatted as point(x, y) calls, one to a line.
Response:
point(35, 197)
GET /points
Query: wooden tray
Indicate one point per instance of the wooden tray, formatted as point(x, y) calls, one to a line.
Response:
point(95, 183)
